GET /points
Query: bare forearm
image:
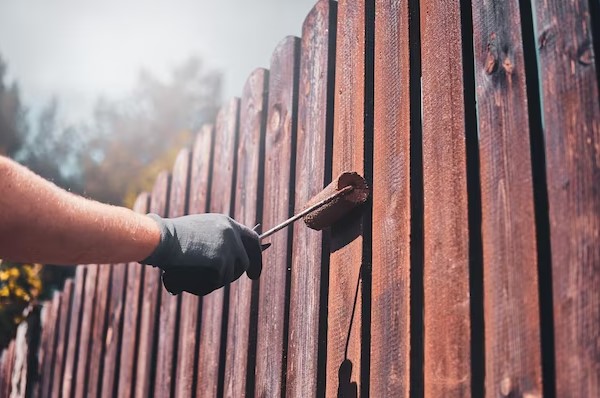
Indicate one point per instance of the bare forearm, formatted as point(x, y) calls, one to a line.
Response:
point(40, 222)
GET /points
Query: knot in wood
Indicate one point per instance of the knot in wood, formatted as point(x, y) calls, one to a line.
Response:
point(275, 120)
point(491, 63)
point(585, 55)
point(505, 386)
point(508, 65)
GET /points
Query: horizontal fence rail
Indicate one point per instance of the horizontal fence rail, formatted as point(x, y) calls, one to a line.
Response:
point(473, 270)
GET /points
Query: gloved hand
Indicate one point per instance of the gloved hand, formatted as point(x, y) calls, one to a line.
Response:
point(203, 252)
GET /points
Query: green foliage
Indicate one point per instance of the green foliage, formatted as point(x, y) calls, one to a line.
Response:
point(20, 285)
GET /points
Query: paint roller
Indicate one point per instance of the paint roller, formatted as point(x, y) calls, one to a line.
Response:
point(337, 199)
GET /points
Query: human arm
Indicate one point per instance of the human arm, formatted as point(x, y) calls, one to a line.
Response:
point(40, 222)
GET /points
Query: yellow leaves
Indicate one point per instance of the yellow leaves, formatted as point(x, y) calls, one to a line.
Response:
point(19, 282)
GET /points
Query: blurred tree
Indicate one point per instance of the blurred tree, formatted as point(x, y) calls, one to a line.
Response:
point(13, 122)
point(53, 149)
point(133, 139)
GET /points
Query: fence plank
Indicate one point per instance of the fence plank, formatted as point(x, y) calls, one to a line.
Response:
point(238, 378)
point(98, 332)
point(278, 202)
point(130, 333)
point(213, 305)
point(62, 338)
point(190, 304)
point(68, 380)
point(148, 333)
point(112, 342)
point(305, 374)
point(512, 329)
point(85, 335)
point(169, 304)
point(446, 247)
point(50, 351)
point(44, 347)
point(390, 328)
point(349, 276)
point(9, 366)
point(571, 119)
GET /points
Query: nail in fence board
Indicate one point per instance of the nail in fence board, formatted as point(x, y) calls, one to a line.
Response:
point(190, 304)
point(512, 327)
point(248, 190)
point(446, 264)
point(220, 202)
point(346, 306)
point(131, 310)
point(98, 336)
point(146, 362)
point(313, 172)
point(62, 338)
point(167, 326)
point(390, 325)
point(68, 381)
point(278, 194)
point(87, 326)
point(571, 119)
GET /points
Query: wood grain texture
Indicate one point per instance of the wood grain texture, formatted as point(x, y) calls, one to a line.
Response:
point(112, 341)
point(512, 327)
point(8, 359)
point(42, 355)
point(117, 308)
point(190, 304)
point(85, 335)
point(4, 385)
point(98, 333)
point(571, 120)
point(131, 311)
point(390, 327)
point(280, 143)
point(146, 361)
point(447, 358)
point(248, 191)
point(46, 352)
point(169, 304)
point(346, 287)
point(313, 172)
point(220, 202)
point(62, 338)
point(69, 380)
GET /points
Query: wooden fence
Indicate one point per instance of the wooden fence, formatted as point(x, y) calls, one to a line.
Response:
point(474, 270)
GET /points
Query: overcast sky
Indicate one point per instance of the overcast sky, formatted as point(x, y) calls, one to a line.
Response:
point(80, 49)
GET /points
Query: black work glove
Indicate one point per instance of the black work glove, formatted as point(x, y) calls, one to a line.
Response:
point(203, 252)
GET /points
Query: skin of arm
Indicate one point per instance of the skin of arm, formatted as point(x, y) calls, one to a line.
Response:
point(42, 223)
